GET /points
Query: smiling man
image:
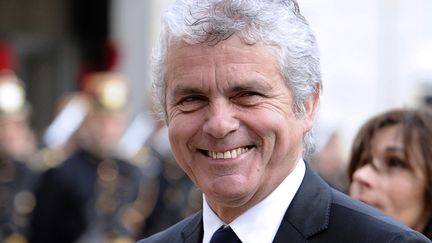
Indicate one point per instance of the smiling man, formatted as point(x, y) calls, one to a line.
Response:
point(242, 137)
point(238, 83)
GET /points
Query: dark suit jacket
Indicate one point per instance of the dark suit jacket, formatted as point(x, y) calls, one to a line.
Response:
point(317, 213)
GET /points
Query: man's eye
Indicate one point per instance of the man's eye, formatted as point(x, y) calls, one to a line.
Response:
point(247, 98)
point(192, 102)
point(249, 94)
point(192, 98)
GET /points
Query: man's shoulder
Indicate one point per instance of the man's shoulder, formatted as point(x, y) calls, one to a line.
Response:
point(343, 205)
point(351, 217)
point(335, 217)
point(174, 233)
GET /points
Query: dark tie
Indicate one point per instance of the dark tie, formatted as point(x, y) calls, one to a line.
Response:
point(225, 235)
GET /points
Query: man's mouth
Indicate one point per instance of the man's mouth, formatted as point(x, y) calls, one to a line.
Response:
point(230, 154)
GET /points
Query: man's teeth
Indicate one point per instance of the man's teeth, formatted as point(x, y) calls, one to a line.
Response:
point(227, 154)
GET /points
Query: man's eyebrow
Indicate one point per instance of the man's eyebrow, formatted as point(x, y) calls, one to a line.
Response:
point(181, 90)
point(252, 85)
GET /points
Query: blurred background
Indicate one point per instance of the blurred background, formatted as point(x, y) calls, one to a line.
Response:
point(375, 54)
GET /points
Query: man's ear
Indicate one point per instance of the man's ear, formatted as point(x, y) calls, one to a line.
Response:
point(311, 106)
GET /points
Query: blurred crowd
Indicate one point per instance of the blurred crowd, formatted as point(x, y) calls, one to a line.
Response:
point(92, 175)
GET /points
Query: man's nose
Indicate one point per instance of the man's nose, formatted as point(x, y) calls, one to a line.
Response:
point(221, 119)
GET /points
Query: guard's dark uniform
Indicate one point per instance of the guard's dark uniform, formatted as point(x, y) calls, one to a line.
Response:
point(16, 178)
point(16, 199)
point(84, 199)
point(177, 197)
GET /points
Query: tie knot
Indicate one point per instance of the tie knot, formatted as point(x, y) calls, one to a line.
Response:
point(224, 235)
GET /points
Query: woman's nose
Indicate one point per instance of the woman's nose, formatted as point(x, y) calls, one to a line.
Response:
point(364, 177)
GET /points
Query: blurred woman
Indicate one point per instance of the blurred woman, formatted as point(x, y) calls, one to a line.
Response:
point(390, 166)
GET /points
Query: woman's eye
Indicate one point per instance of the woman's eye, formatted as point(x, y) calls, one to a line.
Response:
point(396, 163)
point(364, 161)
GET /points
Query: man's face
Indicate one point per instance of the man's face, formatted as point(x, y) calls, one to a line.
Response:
point(231, 124)
point(16, 138)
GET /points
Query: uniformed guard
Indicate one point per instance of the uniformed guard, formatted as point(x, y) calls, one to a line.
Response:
point(168, 195)
point(176, 196)
point(89, 196)
point(59, 138)
point(16, 145)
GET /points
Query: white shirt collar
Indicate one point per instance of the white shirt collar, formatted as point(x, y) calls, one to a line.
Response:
point(260, 223)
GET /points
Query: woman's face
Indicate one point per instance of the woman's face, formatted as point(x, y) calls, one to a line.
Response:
point(385, 180)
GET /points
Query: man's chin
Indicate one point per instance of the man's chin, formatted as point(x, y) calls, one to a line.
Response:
point(230, 196)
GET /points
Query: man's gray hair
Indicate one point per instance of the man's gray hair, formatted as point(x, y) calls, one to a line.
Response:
point(273, 22)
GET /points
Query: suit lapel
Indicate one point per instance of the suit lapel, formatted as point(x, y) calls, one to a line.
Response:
point(193, 231)
point(308, 213)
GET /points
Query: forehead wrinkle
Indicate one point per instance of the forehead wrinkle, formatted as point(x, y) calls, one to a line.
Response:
point(229, 72)
point(179, 73)
point(251, 78)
